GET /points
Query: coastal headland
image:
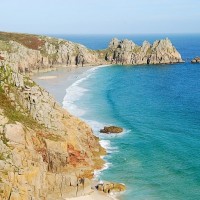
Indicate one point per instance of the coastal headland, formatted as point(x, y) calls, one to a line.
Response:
point(45, 152)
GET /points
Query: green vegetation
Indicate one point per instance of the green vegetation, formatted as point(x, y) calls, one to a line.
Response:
point(149, 51)
point(29, 82)
point(15, 116)
point(1, 156)
point(4, 140)
point(4, 46)
point(137, 49)
point(29, 41)
point(5, 73)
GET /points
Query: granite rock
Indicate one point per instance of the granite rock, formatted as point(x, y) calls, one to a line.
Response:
point(196, 60)
point(45, 153)
point(110, 187)
point(126, 52)
point(111, 129)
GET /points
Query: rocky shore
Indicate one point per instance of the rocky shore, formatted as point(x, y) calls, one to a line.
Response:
point(45, 152)
point(126, 52)
point(196, 60)
point(31, 53)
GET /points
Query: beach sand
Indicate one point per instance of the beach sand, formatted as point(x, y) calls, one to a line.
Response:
point(56, 82)
point(93, 196)
point(47, 77)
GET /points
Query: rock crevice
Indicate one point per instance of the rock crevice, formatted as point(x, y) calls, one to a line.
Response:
point(126, 52)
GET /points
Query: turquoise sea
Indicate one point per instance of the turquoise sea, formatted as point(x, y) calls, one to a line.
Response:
point(158, 155)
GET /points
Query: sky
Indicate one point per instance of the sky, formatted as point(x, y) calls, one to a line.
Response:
point(100, 16)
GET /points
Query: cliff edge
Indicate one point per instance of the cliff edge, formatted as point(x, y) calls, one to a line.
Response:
point(46, 153)
point(31, 53)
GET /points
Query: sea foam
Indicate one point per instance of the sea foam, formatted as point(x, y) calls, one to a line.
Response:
point(73, 94)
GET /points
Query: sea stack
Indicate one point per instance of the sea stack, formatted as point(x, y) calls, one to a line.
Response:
point(45, 152)
point(126, 52)
point(196, 60)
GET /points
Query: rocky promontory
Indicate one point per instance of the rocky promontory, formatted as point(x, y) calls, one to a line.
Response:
point(31, 53)
point(126, 52)
point(36, 53)
point(45, 152)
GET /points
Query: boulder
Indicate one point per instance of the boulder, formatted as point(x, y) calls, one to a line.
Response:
point(108, 187)
point(15, 133)
point(111, 129)
point(196, 60)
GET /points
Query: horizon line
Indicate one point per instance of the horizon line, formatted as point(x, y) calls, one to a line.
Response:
point(38, 33)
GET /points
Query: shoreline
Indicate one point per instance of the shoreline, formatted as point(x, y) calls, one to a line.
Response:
point(56, 82)
point(61, 78)
point(95, 195)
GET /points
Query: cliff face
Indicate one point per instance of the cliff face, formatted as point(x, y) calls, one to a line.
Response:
point(126, 52)
point(30, 52)
point(45, 153)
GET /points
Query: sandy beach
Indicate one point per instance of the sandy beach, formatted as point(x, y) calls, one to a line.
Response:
point(93, 196)
point(56, 82)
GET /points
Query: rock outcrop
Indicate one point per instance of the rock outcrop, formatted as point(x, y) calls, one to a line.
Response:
point(196, 60)
point(45, 153)
point(126, 52)
point(109, 187)
point(35, 53)
point(111, 129)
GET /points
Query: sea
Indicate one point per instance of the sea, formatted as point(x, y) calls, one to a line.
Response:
point(157, 156)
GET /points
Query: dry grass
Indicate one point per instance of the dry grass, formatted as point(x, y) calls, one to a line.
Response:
point(13, 115)
point(29, 41)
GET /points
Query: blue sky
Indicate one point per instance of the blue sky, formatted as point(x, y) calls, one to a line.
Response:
point(100, 16)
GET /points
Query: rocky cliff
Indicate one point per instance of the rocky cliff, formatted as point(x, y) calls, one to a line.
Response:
point(30, 52)
point(126, 52)
point(45, 153)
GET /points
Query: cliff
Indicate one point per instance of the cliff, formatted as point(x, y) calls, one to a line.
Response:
point(32, 52)
point(126, 52)
point(46, 153)
point(35, 53)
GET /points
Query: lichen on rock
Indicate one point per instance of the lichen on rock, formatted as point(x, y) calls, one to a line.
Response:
point(45, 153)
point(126, 52)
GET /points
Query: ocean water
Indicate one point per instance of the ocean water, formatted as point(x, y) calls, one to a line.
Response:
point(158, 155)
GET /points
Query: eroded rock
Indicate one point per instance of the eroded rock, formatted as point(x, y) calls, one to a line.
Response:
point(109, 187)
point(126, 52)
point(111, 129)
point(196, 60)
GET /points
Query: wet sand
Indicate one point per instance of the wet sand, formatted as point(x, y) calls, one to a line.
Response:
point(56, 82)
